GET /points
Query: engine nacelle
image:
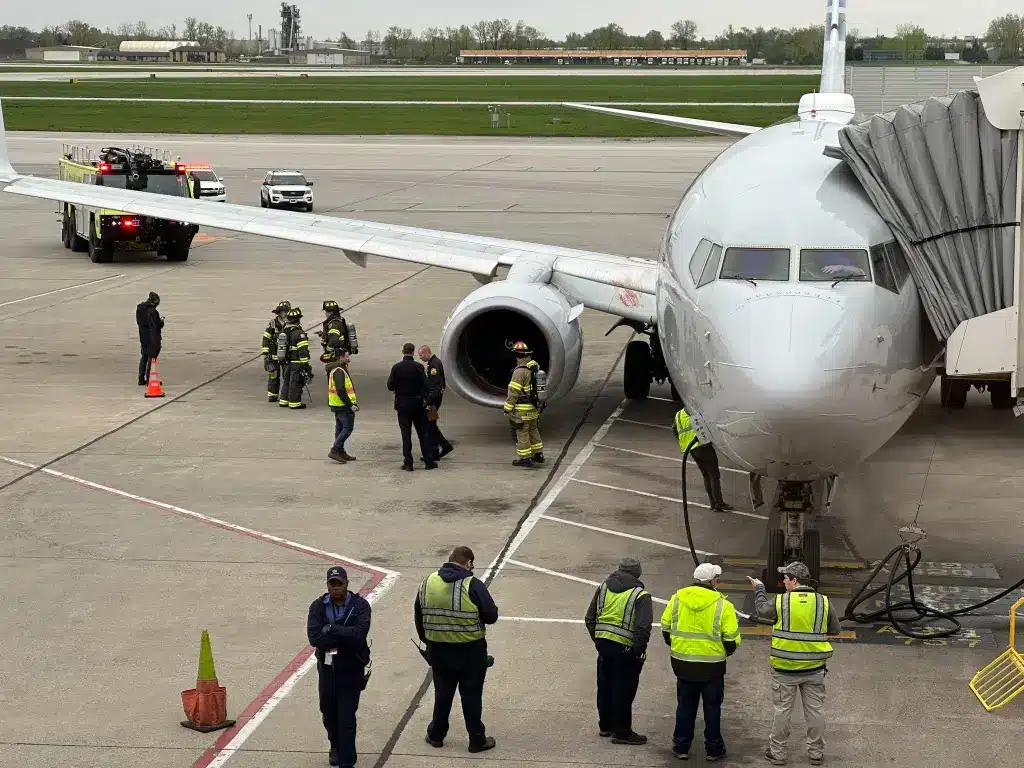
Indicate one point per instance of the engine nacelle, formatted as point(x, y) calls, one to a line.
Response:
point(476, 341)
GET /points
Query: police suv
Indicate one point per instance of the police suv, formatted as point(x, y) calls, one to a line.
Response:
point(286, 189)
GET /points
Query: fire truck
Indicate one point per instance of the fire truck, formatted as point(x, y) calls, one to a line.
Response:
point(102, 231)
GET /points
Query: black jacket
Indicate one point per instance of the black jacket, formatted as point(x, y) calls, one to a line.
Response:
point(334, 336)
point(347, 636)
point(408, 381)
point(696, 671)
point(620, 581)
point(452, 572)
point(435, 381)
point(150, 324)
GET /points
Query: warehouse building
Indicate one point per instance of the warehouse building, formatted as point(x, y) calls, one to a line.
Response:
point(67, 53)
point(329, 57)
point(557, 57)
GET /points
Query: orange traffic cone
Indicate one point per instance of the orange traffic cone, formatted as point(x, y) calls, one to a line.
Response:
point(206, 705)
point(154, 389)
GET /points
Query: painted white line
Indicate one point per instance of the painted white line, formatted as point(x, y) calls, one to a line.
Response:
point(391, 103)
point(645, 424)
point(557, 487)
point(539, 620)
point(676, 459)
point(667, 498)
point(623, 535)
point(68, 288)
point(661, 399)
point(569, 576)
point(287, 686)
point(268, 537)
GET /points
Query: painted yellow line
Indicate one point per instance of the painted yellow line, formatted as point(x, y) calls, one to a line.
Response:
point(832, 564)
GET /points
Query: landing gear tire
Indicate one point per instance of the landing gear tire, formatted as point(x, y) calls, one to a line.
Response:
point(776, 559)
point(812, 553)
point(177, 250)
point(636, 374)
point(953, 392)
point(78, 244)
point(1001, 396)
point(98, 252)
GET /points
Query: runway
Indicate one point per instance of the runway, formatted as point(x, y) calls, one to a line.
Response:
point(129, 525)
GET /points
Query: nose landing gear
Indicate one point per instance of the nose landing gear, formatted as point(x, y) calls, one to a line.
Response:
point(792, 534)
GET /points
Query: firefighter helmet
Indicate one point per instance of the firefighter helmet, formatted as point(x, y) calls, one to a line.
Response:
point(282, 306)
point(331, 306)
point(521, 348)
point(294, 314)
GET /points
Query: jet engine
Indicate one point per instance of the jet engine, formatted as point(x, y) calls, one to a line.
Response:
point(477, 340)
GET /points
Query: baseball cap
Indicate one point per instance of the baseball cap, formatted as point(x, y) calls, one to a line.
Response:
point(796, 569)
point(706, 572)
point(336, 572)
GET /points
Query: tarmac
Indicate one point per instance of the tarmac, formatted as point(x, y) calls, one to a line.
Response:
point(129, 525)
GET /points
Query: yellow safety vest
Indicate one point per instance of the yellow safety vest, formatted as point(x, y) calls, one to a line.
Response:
point(799, 636)
point(449, 613)
point(616, 614)
point(332, 390)
point(698, 635)
point(684, 430)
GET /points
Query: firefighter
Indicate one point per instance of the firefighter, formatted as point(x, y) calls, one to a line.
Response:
point(269, 350)
point(523, 408)
point(334, 334)
point(297, 369)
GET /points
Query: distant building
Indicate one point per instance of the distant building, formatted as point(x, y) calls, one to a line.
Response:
point(952, 57)
point(614, 58)
point(877, 55)
point(197, 54)
point(330, 57)
point(66, 53)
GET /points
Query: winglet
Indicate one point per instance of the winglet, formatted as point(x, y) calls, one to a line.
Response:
point(7, 173)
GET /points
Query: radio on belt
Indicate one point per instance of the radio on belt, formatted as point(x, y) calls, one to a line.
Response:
point(329, 657)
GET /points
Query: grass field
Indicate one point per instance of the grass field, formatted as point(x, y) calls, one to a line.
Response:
point(763, 88)
point(364, 120)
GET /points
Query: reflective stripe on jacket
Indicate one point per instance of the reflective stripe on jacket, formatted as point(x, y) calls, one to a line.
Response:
point(449, 613)
point(799, 636)
point(519, 403)
point(684, 430)
point(616, 614)
point(347, 396)
point(698, 620)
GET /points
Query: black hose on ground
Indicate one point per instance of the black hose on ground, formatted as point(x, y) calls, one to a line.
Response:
point(686, 508)
point(913, 612)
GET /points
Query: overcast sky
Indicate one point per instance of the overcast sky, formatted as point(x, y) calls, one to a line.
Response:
point(327, 18)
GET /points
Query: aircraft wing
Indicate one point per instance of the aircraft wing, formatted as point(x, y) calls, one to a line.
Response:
point(709, 126)
point(620, 285)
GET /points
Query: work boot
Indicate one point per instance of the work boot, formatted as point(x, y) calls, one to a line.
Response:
point(539, 458)
point(333, 758)
point(632, 739)
point(715, 758)
point(445, 451)
point(298, 407)
point(525, 463)
point(723, 507)
point(431, 465)
point(603, 733)
point(436, 743)
point(338, 457)
point(488, 743)
point(816, 759)
point(679, 754)
point(142, 382)
point(346, 457)
point(282, 403)
point(771, 758)
point(407, 467)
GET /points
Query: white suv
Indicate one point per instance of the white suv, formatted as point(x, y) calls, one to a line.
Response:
point(210, 184)
point(286, 189)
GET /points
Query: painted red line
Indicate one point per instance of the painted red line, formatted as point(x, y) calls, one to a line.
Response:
point(263, 697)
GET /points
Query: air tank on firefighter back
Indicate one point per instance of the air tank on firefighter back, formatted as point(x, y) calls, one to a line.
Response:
point(478, 336)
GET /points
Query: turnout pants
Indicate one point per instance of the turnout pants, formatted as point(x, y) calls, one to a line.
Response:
point(408, 418)
point(707, 462)
point(689, 695)
point(292, 382)
point(618, 676)
point(811, 687)
point(274, 381)
point(453, 672)
point(528, 442)
point(339, 700)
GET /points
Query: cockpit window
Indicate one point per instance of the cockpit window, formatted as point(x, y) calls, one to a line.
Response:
point(898, 262)
point(756, 264)
point(699, 259)
point(883, 271)
point(711, 268)
point(820, 265)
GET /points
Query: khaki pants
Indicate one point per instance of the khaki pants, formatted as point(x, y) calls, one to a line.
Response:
point(811, 687)
point(528, 442)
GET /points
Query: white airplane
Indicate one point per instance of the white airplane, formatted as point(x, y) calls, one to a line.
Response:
point(780, 306)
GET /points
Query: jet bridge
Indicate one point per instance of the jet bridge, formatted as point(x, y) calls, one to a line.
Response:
point(946, 175)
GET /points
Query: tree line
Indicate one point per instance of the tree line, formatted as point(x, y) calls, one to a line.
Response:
point(437, 45)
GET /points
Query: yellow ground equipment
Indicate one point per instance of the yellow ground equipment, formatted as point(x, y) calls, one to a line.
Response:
point(1001, 681)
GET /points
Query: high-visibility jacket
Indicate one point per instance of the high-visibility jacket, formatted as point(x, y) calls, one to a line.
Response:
point(799, 636)
point(684, 430)
point(616, 614)
point(347, 394)
point(449, 613)
point(698, 620)
point(519, 403)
